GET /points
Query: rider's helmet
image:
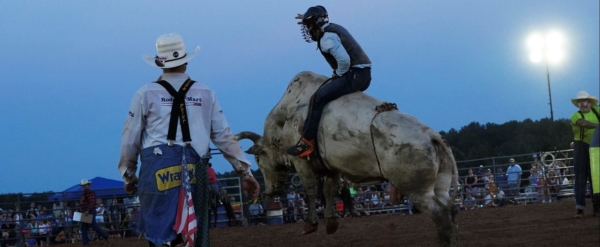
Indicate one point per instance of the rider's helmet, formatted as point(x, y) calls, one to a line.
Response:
point(314, 18)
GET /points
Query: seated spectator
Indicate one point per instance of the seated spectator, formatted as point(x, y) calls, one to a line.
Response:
point(489, 200)
point(470, 183)
point(256, 214)
point(407, 203)
point(533, 178)
point(319, 208)
point(30, 240)
point(291, 206)
point(359, 205)
point(491, 185)
point(470, 202)
point(552, 186)
point(44, 233)
point(386, 199)
point(375, 198)
point(458, 202)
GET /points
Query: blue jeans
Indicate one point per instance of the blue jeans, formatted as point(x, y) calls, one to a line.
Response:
point(581, 157)
point(85, 238)
point(215, 187)
point(159, 189)
point(352, 81)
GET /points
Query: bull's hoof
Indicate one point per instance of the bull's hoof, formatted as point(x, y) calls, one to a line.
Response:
point(310, 228)
point(331, 225)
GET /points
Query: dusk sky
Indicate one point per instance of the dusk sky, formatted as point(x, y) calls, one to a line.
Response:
point(70, 68)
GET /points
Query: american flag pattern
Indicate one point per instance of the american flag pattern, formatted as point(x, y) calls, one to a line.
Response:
point(185, 222)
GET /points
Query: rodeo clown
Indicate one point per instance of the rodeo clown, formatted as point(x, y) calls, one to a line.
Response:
point(171, 130)
point(351, 70)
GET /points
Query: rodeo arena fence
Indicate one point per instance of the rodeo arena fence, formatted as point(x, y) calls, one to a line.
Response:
point(48, 217)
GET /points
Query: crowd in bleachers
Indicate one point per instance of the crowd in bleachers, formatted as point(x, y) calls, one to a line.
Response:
point(545, 183)
point(45, 224)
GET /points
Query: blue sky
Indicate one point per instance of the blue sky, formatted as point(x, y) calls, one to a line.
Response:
point(70, 68)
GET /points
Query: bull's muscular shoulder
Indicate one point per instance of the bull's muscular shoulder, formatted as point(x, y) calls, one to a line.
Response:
point(305, 81)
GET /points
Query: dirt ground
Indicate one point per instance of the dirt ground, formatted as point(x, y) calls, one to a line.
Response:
point(520, 225)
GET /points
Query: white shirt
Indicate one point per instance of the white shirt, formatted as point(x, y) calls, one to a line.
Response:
point(147, 124)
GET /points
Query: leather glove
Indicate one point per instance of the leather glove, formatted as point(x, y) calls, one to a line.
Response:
point(130, 184)
point(334, 76)
point(250, 187)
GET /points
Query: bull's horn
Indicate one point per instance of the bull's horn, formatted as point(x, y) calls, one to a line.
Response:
point(248, 135)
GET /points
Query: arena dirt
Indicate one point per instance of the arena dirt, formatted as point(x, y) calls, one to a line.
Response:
point(521, 225)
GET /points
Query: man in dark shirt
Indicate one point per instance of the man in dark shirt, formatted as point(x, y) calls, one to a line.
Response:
point(88, 206)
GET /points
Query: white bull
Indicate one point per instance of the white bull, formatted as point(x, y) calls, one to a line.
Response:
point(363, 145)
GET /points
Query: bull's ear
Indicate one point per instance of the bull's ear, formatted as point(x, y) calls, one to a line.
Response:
point(255, 149)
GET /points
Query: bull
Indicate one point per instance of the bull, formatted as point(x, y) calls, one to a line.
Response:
point(362, 144)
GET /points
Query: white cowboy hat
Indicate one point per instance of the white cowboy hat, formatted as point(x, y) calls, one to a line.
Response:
point(584, 95)
point(85, 182)
point(171, 52)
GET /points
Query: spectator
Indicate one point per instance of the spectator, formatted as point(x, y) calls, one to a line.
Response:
point(458, 201)
point(68, 218)
point(88, 204)
point(32, 209)
point(359, 205)
point(513, 178)
point(534, 176)
point(44, 233)
point(291, 205)
point(560, 167)
point(406, 203)
point(114, 214)
point(134, 218)
point(470, 202)
point(489, 199)
point(100, 210)
point(256, 214)
point(491, 185)
point(57, 209)
point(300, 205)
point(375, 198)
point(470, 183)
point(30, 241)
point(501, 179)
point(213, 182)
point(552, 186)
point(584, 122)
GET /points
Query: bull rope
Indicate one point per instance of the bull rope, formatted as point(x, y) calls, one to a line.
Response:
point(379, 109)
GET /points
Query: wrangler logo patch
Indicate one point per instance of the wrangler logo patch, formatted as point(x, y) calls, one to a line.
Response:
point(170, 177)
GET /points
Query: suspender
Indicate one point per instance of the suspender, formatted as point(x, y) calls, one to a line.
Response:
point(178, 111)
point(581, 131)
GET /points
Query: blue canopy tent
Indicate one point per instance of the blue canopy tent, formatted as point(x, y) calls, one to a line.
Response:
point(103, 187)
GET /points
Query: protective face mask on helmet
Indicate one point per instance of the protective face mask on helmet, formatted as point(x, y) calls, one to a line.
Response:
point(306, 34)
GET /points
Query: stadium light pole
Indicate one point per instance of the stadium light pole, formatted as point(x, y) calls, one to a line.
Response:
point(549, 49)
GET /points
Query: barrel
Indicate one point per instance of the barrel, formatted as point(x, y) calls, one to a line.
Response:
point(595, 161)
point(274, 213)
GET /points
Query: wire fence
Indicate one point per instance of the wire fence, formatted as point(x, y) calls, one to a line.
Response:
point(47, 217)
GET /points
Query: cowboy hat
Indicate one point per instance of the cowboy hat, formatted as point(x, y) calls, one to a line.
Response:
point(85, 182)
point(584, 95)
point(171, 52)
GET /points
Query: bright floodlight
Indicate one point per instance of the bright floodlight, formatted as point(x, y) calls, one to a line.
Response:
point(536, 56)
point(547, 47)
point(536, 42)
point(554, 40)
point(554, 55)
